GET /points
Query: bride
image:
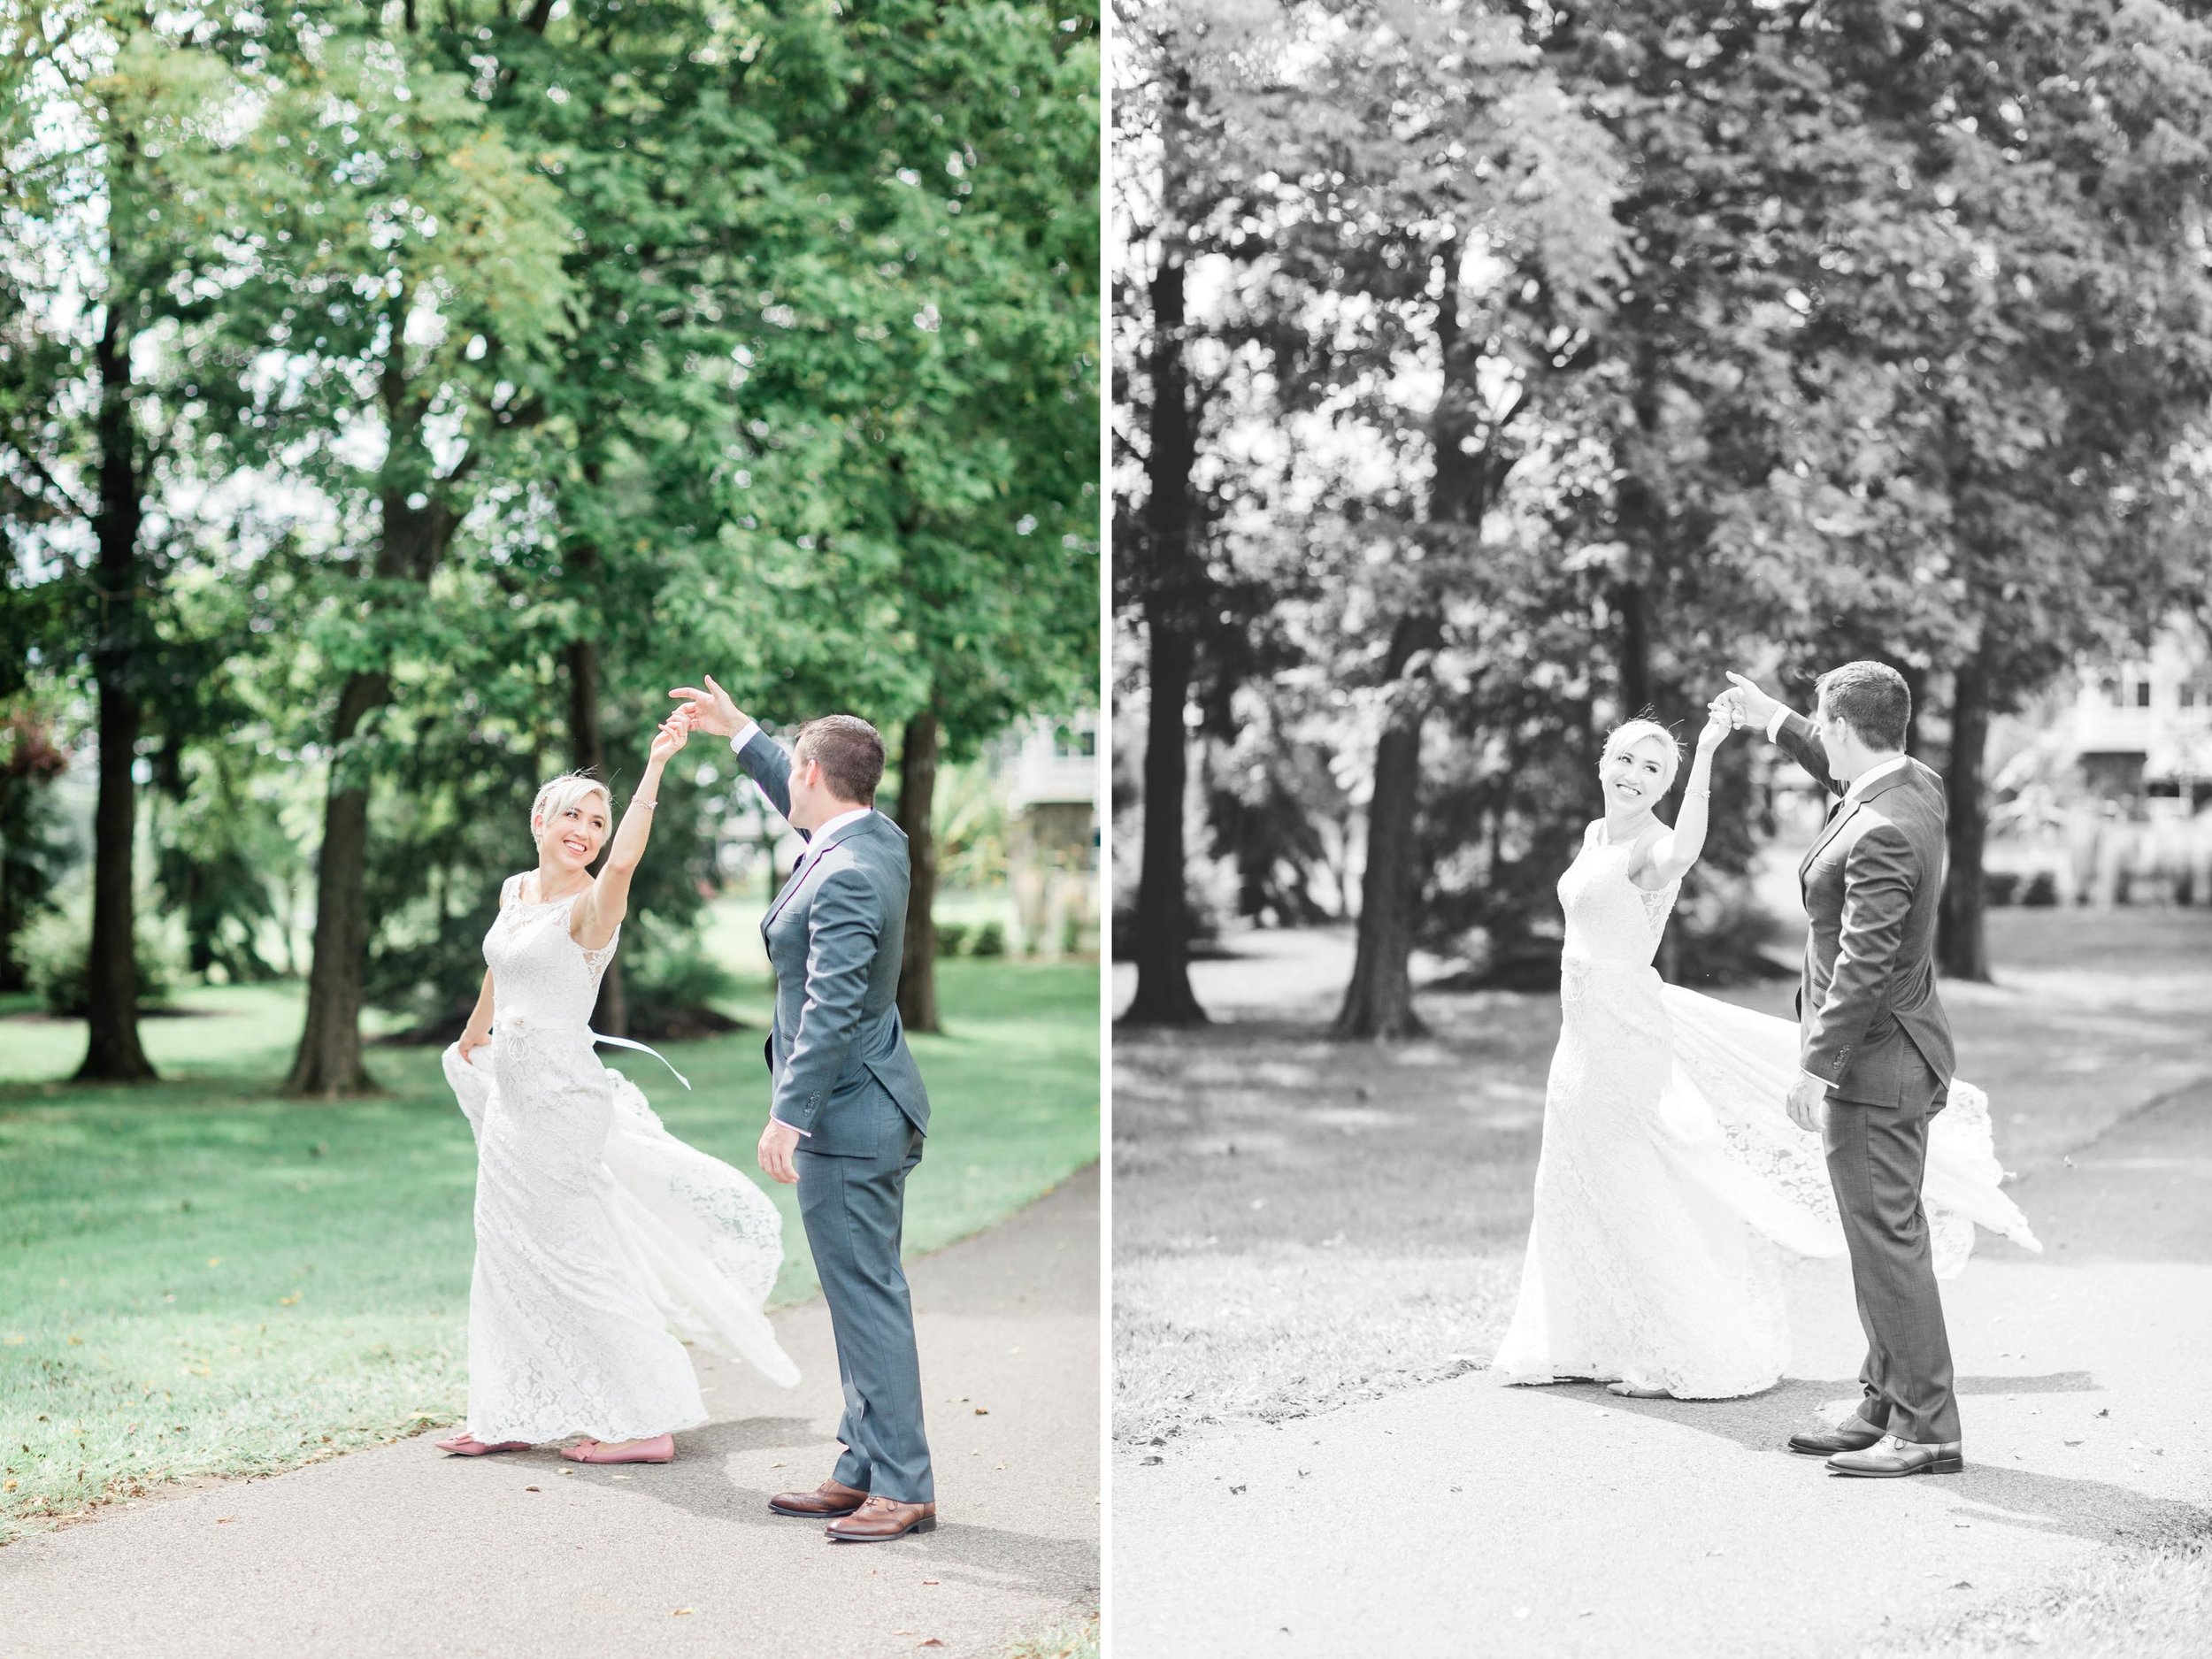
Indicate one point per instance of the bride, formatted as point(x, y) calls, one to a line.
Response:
point(1671, 1183)
point(598, 1233)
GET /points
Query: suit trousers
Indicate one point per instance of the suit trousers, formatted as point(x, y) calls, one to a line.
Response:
point(1877, 1156)
point(853, 1210)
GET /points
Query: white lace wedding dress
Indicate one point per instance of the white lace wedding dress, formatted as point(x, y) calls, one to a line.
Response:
point(598, 1233)
point(1672, 1184)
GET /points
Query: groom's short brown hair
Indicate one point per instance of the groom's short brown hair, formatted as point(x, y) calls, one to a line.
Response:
point(1872, 698)
point(848, 751)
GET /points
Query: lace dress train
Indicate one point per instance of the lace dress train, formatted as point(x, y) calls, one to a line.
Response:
point(1671, 1184)
point(600, 1237)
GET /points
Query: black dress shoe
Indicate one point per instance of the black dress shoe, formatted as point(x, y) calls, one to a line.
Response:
point(1854, 1435)
point(1893, 1457)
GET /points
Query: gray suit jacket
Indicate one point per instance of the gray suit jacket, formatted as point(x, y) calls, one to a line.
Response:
point(835, 936)
point(1873, 887)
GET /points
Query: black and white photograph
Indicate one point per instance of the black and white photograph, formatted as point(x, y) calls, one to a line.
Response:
point(1662, 828)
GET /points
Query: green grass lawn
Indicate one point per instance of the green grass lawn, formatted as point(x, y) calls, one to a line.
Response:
point(199, 1277)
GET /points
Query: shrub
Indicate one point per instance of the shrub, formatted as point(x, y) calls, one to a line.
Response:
point(1999, 887)
point(990, 939)
point(2041, 891)
point(952, 938)
point(54, 949)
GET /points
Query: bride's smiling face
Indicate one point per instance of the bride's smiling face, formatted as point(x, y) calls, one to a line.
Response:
point(1635, 774)
point(570, 837)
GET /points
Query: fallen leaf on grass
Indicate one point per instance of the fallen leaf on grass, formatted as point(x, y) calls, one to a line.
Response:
point(1964, 1583)
point(681, 1612)
point(225, 1520)
point(982, 1411)
point(929, 1641)
point(1155, 1458)
point(529, 1488)
point(1236, 1489)
point(930, 1581)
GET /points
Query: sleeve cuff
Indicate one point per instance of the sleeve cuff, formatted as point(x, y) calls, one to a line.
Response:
point(745, 734)
point(1774, 723)
point(804, 1134)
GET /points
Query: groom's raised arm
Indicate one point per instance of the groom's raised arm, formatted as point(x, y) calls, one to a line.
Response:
point(765, 764)
point(1793, 735)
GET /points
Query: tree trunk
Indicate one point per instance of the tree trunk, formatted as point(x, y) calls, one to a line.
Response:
point(1164, 995)
point(1635, 650)
point(1962, 939)
point(328, 1062)
point(1379, 1002)
point(411, 537)
point(587, 753)
point(112, 1051)
point(918, 795)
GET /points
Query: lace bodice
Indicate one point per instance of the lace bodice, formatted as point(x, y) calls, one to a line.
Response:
point(539, 974)
point(1610, 918)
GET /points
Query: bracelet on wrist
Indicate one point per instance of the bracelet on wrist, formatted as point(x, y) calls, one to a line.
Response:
point(639, 800)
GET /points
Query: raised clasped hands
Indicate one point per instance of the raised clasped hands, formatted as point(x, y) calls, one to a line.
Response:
point(1751, 706)
point(670, 738)
point(711, 710)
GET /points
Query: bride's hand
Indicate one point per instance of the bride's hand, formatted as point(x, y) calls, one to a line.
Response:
point(471, 1040)
point(669, 741)
point(1719, 722)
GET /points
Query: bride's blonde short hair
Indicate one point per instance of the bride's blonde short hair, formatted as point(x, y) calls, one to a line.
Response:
point(558, 795)
point(1628, 733)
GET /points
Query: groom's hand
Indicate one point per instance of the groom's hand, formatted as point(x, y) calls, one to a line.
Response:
point(712, 709)
point(778, 1143)
point(1808, 1104)
point(1757, 707)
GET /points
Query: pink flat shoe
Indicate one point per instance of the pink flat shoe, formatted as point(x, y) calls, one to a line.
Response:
point(660, 1449)
point(466, 1445)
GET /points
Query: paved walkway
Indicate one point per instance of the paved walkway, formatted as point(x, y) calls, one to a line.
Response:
point(1472, 1518)
point(404, 1551)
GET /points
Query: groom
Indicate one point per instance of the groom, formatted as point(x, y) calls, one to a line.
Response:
point(1875, 1048)
point(848, 1111)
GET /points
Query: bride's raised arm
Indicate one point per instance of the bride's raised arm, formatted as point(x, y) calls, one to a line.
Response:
point(1673, 853)
point(607, 900)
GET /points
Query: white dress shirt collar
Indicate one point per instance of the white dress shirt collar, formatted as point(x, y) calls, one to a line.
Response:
point(823, 832)
point(1859, 784)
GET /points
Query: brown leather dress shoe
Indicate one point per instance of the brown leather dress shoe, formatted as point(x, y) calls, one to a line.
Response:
point(1855, 1434)
point(831, 1497)
point(882, 1519)
point(1893, 1457)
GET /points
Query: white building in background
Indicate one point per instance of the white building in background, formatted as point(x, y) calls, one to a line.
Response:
point(2141, 731)
point(2108, 793)
point(1048, 772)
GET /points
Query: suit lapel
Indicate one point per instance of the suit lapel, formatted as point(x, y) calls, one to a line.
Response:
point(1874, 791)
point(814, 855)
point(1827, 834)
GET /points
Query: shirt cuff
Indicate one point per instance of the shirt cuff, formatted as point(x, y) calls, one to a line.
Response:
point(1774, 723)
point(745, 733)
point(1816, 1077)
point(804, 1134)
